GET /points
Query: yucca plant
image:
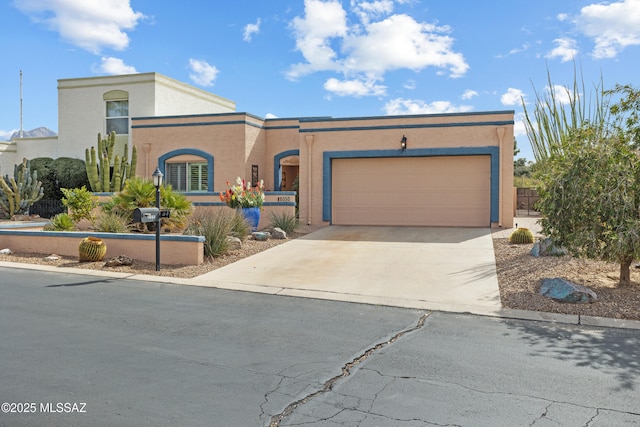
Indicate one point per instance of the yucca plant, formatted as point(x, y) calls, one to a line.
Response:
point(284, 221)
point(215, 227)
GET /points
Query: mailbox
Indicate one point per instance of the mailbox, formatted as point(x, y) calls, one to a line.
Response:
point(146, 214)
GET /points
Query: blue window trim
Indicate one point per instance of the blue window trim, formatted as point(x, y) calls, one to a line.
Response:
point(192, 151)
point(277, 169)
point(492, 151)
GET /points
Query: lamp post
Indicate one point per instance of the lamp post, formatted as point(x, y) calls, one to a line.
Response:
point(157, 181)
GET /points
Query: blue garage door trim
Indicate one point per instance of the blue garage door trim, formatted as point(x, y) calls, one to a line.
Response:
point(328, 156)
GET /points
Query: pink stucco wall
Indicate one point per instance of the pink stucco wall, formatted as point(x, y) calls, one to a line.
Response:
point(238, 140)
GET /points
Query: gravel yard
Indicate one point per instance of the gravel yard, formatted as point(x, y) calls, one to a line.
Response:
point(519, 276)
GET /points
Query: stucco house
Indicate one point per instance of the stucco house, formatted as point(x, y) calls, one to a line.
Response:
point(413, 170)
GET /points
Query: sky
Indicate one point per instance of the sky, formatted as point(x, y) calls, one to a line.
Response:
point(305, 58)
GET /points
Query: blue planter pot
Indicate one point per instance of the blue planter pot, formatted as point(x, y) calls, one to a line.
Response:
point(252, 216)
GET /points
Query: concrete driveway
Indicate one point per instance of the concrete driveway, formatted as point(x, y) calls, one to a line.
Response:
point(448, 269)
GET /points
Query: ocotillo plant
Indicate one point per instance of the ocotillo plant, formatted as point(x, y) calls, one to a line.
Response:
point(17, 194)
point(99, 165)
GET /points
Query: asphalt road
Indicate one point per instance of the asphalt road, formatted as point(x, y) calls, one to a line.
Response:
point(92, 351)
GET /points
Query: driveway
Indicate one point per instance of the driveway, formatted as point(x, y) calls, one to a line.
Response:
point(448, 269)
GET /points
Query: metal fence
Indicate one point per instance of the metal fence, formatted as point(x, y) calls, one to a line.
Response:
point(526, 202)
point(47, 208)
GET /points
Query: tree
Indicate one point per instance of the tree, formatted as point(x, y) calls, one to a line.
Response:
point(590, 199)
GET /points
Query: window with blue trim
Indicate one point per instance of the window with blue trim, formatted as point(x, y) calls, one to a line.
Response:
point(187, 177)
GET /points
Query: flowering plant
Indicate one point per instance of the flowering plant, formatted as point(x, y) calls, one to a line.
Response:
point(242, 195)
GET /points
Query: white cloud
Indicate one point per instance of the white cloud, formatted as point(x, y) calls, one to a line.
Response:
point(409, 84)
point(468, 94)
point(512, 97)
point(322, 22)
point(114, 66)
point(562, 17)
point(250, 30)
point(355, 88)
point(368, 49)
point(613, 26)
point(270, 116)
point(400, 106)
point(519, 128)
point(202, 73)
point(565, 50)
point(91, 25)
point(561, 94)
point(401, 42)
point(367, 10)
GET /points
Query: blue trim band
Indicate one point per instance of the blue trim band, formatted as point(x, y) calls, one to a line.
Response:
point(492, 151)
point(416, 126)
point(119, 236)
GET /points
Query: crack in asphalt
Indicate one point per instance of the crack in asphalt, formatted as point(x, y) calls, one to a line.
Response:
point(345, 372)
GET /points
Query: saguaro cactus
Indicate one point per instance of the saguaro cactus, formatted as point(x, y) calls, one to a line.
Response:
point(17, 194)
point(99, 165)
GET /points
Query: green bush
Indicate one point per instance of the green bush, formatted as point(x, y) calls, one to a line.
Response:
point(80, 203)
point(215, 227)
point(70, 173)
point(60, 222)
point(286, 222)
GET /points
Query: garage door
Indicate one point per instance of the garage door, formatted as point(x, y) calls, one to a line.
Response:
point(416, 191)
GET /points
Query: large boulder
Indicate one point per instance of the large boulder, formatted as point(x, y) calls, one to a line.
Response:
point(546, 247)
point(119, 261)
point(565, 291)
point(234, 243)
point(278, 233)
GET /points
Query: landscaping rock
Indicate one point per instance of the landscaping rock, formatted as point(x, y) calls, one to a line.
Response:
point(546, 247)
point(279, 233)
point(120, 260)
point(52, 257)
point(5, 251)
point(565, 291)
point(261, 236)
point(234, 243)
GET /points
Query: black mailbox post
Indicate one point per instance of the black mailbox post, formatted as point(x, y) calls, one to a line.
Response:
point(146, 215)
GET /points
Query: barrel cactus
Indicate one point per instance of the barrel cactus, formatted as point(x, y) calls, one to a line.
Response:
point(92, 249)
point(521, 235)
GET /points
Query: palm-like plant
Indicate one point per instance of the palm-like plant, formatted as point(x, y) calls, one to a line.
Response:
point(141, 193)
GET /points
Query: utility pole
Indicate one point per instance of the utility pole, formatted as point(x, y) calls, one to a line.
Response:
point(21, 129)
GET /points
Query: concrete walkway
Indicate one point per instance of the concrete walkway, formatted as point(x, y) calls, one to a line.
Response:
point(448, 269)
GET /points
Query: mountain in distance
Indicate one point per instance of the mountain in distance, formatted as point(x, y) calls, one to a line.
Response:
point(33, 133)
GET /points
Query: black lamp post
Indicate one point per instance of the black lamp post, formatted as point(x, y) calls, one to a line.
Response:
point(157, 181)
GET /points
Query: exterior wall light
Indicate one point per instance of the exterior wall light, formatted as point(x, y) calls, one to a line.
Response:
point(157, 181)
point(403, 143)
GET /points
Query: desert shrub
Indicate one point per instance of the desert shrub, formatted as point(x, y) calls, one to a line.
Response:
point(215, 227)
point(111, 222)
point(285, 221)
point(240, 228)
point(60, 222)
point(80, 203)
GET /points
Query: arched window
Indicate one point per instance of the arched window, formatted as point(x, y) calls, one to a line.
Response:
point(188, 170)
